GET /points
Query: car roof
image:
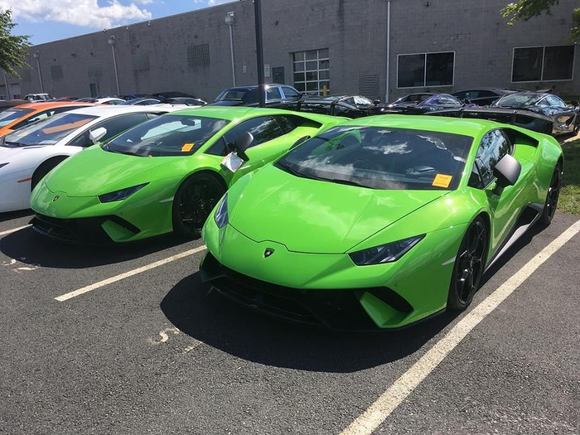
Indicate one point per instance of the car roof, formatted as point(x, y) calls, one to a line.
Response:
point(462, 126)
point(52, 104)
point(106, 111)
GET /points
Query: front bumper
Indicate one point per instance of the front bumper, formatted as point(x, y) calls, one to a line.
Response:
point(338, 309)
point(94, 231)
point(329, 289)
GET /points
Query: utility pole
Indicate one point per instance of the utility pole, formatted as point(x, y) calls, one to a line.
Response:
point(36, 56)
point(260, 52)
point(112, 42)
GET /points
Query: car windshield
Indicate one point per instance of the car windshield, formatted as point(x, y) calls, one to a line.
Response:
point(519, 100)
point(170, 135)
point(244, 95)
point(9, 116)
point(381, 158)
point(414, 98)
point(47, 132)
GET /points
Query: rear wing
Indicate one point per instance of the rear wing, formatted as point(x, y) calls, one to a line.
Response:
point(520, 118)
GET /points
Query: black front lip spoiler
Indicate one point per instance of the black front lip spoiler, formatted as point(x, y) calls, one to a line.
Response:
point(78, 231)
point(337, 310)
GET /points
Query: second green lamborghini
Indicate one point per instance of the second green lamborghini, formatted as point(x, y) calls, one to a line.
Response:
point(382, 221)
point(164, 175)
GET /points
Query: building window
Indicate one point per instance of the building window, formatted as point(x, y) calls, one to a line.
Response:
point(312, 71)
point(425, 69)
point(535, 64)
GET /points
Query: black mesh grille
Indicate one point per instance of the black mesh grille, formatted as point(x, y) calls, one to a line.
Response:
point(335, 309)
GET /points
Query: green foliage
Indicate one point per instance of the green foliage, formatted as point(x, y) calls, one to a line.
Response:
point(13, 49)
point(523, 10)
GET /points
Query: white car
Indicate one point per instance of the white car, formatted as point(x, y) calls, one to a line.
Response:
point(28, 154)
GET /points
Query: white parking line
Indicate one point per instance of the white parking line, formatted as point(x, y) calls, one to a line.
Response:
point(378, 412)
point(13, 230)
point(125, 275)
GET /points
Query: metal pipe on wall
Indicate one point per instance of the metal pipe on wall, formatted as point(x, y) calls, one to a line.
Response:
point(388, 62)
point(230, 19)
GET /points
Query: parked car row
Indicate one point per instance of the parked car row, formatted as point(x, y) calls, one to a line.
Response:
point(314, 218)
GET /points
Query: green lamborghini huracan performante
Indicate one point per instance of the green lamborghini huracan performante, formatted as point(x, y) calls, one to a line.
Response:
point(380, 222)
point(164, 175)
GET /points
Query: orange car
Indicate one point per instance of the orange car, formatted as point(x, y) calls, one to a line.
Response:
point(25, 114)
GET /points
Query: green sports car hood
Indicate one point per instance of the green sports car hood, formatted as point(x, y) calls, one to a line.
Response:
point(313, 216)
point(95, 171)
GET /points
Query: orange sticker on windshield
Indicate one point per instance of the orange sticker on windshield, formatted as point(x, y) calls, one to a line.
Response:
point(187, 147)
point(442, 180)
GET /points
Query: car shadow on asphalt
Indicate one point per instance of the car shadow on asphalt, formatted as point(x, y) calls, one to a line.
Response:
point(255, 337)
point(7, 216)
point(28, 247)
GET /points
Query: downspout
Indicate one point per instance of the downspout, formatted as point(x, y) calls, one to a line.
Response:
point(388, 63)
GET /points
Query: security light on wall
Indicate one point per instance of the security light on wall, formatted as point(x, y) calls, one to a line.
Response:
point(230, 18)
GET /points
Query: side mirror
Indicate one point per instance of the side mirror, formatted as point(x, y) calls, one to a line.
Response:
point(97, 134)
point(241, 144)
point(507, 171)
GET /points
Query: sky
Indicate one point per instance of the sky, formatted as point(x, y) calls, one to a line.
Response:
point(50, 20)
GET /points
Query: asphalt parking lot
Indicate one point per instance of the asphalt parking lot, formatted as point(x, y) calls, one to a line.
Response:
point(134, 344)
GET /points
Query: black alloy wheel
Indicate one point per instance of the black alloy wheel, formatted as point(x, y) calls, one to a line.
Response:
point(552, 197)
point(469, 266)
point(193, 202)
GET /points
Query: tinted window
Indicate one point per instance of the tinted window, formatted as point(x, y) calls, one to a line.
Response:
point(287, 123)
point(519, 100)
point(430, 69)
point(558, 63)
point(527, 64)
point(170, 135)
point(50, 131)
point(273, 94)
point(555, 101)
point(290, 93)
point(411, 71)
point(493, 147)
point(264, 129)
point(381, 158)
point(11, 115)
point(114, 126)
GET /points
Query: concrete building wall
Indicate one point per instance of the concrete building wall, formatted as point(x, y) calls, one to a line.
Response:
point(190, 52)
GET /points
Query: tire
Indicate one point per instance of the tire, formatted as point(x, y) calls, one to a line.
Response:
point(194, 201)
point(551, 204)
point(44, 169)
point(469, 265)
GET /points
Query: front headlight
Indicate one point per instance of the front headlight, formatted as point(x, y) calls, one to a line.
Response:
point(385, 253)
point(122, 194)
point(221, 214)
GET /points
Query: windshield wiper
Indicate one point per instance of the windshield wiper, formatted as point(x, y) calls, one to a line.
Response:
point(347, 182)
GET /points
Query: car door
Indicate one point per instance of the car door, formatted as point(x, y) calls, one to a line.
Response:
point(505, 204)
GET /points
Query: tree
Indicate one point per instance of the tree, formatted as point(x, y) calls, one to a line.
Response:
point(523, 10)
point(13, 49)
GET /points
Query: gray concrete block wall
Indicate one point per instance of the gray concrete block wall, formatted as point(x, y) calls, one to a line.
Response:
point(153, 56)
